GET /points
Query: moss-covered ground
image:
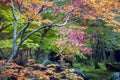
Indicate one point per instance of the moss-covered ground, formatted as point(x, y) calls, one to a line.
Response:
point(95, 74)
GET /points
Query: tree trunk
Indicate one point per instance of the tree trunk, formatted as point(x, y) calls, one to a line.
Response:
point(104, 55)
point(97, 52)
point(30, 52)
point(96, 65)
point(112, 58)
point(37, 54)
point(95, 61)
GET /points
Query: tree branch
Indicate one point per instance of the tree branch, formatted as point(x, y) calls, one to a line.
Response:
point(21, 40)
point(19, 6)
point(45, 26)
point(12, 8)
point(65, 23)
point(23, 28)
point(36, 30)
point(27, 24)
point(60, 25)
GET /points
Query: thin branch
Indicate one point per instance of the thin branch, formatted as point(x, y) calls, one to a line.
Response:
point(36, 30)
point(21, 40)
point(23, 28)
point(73, 21)
point(27, 24)
point(44, 26)
point(60, 25)
point(40, 10)
point(19, 5)
point(12, 8)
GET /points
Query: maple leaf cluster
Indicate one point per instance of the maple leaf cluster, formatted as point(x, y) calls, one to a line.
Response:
point(21, 72)
point(29, 73)
point(94, 9)
point(29, 9)
point(72, 38)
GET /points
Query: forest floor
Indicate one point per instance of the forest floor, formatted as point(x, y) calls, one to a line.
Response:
point(51, 71)
point(95, 74)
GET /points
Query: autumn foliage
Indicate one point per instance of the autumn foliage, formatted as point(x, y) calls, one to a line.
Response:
point(30, 73)
point(29, 9)
point(71, 39)
point(95, 9)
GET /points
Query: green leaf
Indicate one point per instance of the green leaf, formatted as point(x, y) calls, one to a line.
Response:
point(80, 54)
point(6, 43)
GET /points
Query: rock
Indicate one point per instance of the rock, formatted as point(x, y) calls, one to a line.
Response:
point(115, 76)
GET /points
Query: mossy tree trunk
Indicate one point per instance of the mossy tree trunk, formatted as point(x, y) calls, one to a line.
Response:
point(112, 58)
point(97, 48)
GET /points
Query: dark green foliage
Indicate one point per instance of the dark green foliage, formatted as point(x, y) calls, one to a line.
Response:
point(93, 76)
point(61, 2)
point(113, 66)
point(96, 23)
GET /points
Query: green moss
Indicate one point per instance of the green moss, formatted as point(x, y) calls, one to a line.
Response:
point(94, 74)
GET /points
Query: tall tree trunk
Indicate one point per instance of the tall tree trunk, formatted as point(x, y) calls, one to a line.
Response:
point(95, 61)
point(37, 54)
point(30, 52)
point(112, 58)
point(1, 52)
point(97, 52)
point(104, 54)
point(96, 64)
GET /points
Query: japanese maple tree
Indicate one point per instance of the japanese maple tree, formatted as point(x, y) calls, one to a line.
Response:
point(72, 40)
point(31, 12)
